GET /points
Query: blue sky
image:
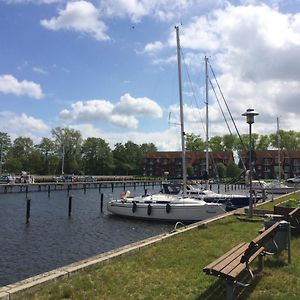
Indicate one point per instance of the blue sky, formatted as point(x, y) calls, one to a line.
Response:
point(108, 67)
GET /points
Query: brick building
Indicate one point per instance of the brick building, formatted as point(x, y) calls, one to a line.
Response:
point(266, 163)
point(157, 163)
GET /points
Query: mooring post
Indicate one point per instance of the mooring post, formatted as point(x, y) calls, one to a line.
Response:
point(49, 190)
point(145, 192)
point(26, 190)
point(70, 206)
point(112, 187)
point(27, 211)
point(84, 188)
point(218, 187)
point(101, 203)
point(124, 186)
point(68, 189)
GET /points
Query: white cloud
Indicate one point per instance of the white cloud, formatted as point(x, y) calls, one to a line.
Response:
point(137, 9)
point(153, 47)
point(129, 105)
point(123, 114)
point(80, 16)
point(39, 70)
point(10, 85)
point(21, 124)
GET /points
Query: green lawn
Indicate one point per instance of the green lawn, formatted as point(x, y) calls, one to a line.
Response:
point(172, 269)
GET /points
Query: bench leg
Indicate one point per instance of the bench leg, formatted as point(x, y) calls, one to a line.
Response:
point(261, 262)
point(229, 290)
point(289, 244)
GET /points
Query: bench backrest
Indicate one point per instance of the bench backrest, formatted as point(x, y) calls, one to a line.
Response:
point(294, 214)
point(260, 241)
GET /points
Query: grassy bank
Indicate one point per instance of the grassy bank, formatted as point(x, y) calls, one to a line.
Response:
point(172, 269)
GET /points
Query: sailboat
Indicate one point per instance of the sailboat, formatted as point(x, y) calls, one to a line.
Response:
point(275, 186)
point(165, 207)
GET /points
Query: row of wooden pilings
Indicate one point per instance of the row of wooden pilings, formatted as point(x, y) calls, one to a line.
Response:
point(28, 206)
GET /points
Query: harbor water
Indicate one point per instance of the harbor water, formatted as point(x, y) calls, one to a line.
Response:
point(51, 239)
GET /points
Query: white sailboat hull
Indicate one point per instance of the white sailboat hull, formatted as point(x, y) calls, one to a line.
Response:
point(186, 211)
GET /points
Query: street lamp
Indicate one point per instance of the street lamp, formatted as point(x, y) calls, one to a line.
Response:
point(250, 114)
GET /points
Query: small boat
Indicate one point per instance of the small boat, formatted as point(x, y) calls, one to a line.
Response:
point(231, 201)
point(167, 206)
point(273, 187)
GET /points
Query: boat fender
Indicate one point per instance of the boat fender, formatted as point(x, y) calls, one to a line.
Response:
point(168, 208)
point(134, 207)
point(149, 209)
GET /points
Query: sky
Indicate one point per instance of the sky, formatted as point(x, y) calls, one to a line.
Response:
point(108, 67)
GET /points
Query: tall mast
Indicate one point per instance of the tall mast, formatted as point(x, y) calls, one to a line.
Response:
point(181, 113)
point(278, 140)
point(206, 106)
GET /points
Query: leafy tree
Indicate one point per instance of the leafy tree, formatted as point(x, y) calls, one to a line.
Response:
point(232, 170)
point(263, 142)
point(215, 143)
point(96, 157)
point(194, 143)
point(230, 142)
point(5, 144)
point(48, 157)
point(289, 140)
point(221, 170)
point(22, 156)
point(121, 160)
point(68, 145)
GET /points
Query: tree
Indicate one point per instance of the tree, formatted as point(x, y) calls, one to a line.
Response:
point(68, 145)
point(221, 170)
point(22, 156)
point(97, 158)
point(263, 142)
point(5, 144)
point(289, 140)
point(230, 142)
point(194, 143)
point(122, 166)
point(215, 143)
point(232, 170)
point(48, 156)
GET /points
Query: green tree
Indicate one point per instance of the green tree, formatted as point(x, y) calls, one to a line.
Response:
point(23, 156)
point(48, 157)
point(289, 140)
point(68, 145)
point(232, 170)
point(97, 158)
point(216, 143)
point(5, 144)
point(194, 143)
point(263, 142)
point(221, 170)
point(230, 142)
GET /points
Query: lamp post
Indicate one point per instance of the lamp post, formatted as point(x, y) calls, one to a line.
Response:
point(250, 114)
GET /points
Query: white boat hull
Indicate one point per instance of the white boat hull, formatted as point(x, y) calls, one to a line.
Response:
point(186, 212)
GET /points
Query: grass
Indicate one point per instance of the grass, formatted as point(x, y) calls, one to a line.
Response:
point(172, 269)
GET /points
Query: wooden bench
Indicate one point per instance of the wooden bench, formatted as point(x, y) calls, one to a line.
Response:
point(237, 260)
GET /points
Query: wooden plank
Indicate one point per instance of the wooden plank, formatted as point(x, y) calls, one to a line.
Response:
point(242, 266)
point(266, 235)
point(208, 268)
point(228, 260)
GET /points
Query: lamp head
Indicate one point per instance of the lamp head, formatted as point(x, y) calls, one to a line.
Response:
point(249, 114)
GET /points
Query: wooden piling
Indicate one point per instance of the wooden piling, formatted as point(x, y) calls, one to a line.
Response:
point(101, 203)
point(70, 206)
point(49, 189)
point(27, 211)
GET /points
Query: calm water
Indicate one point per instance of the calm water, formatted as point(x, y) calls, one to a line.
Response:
point(52, 239)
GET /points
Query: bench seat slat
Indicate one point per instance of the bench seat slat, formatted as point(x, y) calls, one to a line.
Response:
point(241, 267)
point(208, 268)
point(235, 256)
